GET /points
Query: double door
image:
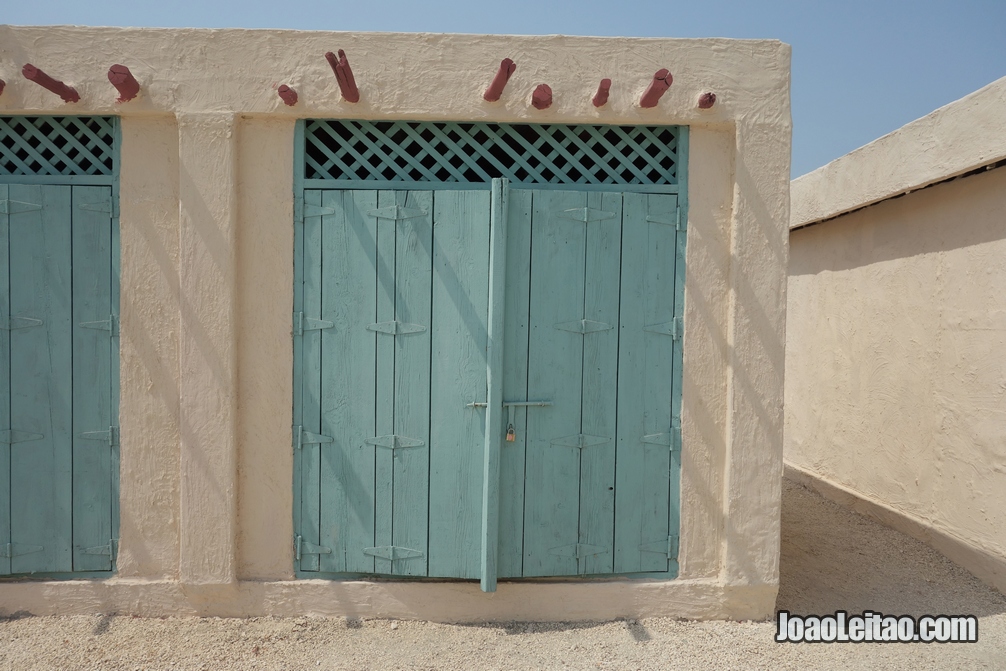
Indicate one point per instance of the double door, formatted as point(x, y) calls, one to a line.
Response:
point(486, 383)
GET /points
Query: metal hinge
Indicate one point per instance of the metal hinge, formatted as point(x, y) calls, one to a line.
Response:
point(396, 212)
point(110, 207)
point(580, 440)
point(669, 219)
point(302, 323)
point(111, 325)
point(302, 210)
point(392, 552)
point(12, 323)
point(670, 439)
point(579, 550)
point(394, 442)
point(301, 547)
point(583, 326)
point(666, 546)
point(396, 328)
point(674, 328)
point(586, 214)
point(10, 550)
point(302, 438)
point(111, 436)
point(11, 436)
point(17, 207)
point(107, 549)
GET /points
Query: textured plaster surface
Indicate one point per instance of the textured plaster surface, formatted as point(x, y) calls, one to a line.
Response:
point(207, 206)
point(957, 138)
point(895, 373)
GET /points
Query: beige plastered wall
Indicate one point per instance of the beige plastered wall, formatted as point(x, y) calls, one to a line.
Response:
point(895, 365)
point(207, 277)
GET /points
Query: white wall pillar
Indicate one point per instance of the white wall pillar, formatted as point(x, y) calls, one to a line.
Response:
point(207, 148)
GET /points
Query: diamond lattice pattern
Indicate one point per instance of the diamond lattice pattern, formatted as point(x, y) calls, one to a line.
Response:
point(479, 152)
point(56, 145)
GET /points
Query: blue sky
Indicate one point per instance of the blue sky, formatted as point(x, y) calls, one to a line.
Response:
point(861, 68)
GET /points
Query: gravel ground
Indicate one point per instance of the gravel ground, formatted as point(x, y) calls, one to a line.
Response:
point(831, 559)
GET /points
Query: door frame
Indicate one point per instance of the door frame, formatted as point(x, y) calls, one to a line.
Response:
point(301, 184)
point(112, 181)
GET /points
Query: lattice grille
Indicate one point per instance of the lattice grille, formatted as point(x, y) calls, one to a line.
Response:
point(56, 145)
point(478, 152)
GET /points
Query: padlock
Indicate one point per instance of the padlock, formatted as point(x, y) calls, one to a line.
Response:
point(511, 436)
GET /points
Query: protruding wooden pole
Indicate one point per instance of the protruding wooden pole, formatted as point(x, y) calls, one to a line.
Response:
point(499, 82)
point(2, 85)
point(601, 97)
point(707, 100)
point(542, 97)
point(288, 95)
point(344, 76)
point(124, 82)
point(33, 74)
point(661, 82)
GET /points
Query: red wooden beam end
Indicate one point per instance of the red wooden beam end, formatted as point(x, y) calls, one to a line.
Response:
point(661, 82)
point(498, 83)
point(124, 82)
point(542, 97)
point(707, 100)
point(288, 95)
point(601, 97)
point(33, 74)
point(344, 76)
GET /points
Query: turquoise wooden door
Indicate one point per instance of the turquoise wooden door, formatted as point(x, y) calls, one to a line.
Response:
point(589, 484)
point(394, 348)
point(57, 355)
point(396, 472)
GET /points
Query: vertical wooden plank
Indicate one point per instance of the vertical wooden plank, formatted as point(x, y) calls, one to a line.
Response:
point(41, 368)
point(644, 382)
point(494, 384)
point(458, 377)
point(600, 382)
point(413, 296)
point(310, 390)
point(92, 412)
point(384, 469)
point(298, 306)
point(552, 472)
point(518, 283)
point(113, 357)
point(5, 382)
point(349, 381)
point(674, 517)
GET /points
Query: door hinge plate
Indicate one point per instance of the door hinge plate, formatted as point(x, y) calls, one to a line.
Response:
point(303, 323)
point(669, 219)
point(583, 326)
point(396, 212)
point(302, 438)
point(12, 323)
point(10, 550)
point(392, 552)
point(107, 549)
point(674, 328)
point(394, 442)
point(579, 550)
point(111, 325)
point(301, 547)
point(580, 440)
point(17, 207)
point(666, 546)
point(11, 436)
point(586, 214)
point(111, 436)
point(396, 328)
